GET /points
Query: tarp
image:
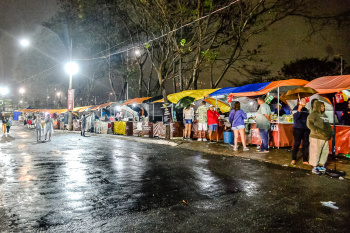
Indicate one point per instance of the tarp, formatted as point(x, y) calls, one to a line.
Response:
point(135, 101)
point(223, 91)
point(62, 111)
point(223, 107)
point(196, 94)
point(330, 84)
point(85, 108)
point(102, 106)
point(120, 127)
point(263, 88)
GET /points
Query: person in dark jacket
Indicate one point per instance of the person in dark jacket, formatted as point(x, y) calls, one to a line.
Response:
point(300, 131)
point(321, 132)
point(346, 115)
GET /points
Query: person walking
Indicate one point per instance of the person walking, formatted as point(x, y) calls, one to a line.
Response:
point(202, 121)
point(8, 125)
point(321, 133)
point(188, 115)
point(300, 131)
point(3, 125)
point(48, 126)
point(236, 118)
point(263, 124)
point(38, 127)
point(213, 122)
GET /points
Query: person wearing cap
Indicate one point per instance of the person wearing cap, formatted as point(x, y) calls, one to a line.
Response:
point(202, 121)
point(263, 124)
point(188, 115)
point(213, 121)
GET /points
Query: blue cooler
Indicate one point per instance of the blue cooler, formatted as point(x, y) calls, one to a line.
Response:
point(227, 137)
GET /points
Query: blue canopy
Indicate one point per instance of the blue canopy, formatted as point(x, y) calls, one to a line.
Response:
point(251, 87)
point(223, 91)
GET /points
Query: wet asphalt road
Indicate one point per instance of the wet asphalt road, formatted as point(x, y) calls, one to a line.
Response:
point(99, 184)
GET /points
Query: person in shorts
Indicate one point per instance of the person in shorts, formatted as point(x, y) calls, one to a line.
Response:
point(236, 118)
point(213, 122)
point(188, 115)
point(202, 121)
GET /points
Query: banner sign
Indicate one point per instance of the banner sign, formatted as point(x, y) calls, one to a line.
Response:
point(166, 115)
point(70, 99)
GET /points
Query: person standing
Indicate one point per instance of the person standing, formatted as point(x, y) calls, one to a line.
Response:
point(202, 121)
point(236, 118)
point(321, 133)
point(48, 126)
point(300, 131)
point(38, 127)
point(213, 122)
point(188, 115)
point(346, 115)
point(83, 125)
point(263, 124)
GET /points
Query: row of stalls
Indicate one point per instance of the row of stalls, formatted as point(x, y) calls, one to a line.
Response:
point(148, 116)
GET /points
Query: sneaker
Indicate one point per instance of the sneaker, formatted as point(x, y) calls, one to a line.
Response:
point(183, 138)
point(263, 151)
point(321, 169)
point(316, 171)
point(199, 140)
point(257, 147)
point(235, 148)
point(204, 140)
point(232, 145)
point(245, 149)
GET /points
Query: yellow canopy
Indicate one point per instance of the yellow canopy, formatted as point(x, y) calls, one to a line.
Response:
point(223, 107)
point(196, 94)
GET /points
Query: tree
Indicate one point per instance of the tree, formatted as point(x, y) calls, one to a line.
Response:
point(312, 68)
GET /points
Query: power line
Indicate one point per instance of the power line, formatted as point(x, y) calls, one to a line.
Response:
point(157, 38)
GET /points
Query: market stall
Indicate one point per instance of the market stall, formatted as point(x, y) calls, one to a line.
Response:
point(328, 85)
point(281, 131)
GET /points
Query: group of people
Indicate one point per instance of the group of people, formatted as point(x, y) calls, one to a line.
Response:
point(311, 128)
point(206, 117)
point(47, 126)
point(6, 125)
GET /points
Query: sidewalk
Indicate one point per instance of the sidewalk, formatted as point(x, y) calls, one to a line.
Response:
point(280, 156)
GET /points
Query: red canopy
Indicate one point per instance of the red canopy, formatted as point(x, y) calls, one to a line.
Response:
point(330, 84)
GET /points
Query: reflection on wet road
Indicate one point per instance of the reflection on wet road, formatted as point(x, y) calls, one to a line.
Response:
point(110, 185)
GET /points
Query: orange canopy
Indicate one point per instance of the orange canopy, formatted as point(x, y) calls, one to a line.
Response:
point(330, 84)
point(102, 105)
point(135, 101)
point(273, 85)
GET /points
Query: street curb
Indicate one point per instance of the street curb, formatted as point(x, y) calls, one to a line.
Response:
point(129, 138)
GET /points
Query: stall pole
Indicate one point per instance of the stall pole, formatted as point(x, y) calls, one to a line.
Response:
point(153, 112)
point(278, 118)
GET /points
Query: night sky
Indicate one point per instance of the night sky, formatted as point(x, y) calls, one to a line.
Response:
point(283, 42)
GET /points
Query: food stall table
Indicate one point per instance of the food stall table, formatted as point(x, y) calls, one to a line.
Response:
point(286, 138)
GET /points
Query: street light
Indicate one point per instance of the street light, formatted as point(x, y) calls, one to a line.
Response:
point(137, 52)
point(4, 91)
point(71, 68)
point(22, 90)
point(24, 42)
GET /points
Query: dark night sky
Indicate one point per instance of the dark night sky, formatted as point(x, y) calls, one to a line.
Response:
point(283, 42)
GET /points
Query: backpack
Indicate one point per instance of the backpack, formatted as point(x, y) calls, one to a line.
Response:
point(8, 123)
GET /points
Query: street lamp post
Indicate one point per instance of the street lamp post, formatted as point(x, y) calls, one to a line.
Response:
point(3, 91)
point(71, 68)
